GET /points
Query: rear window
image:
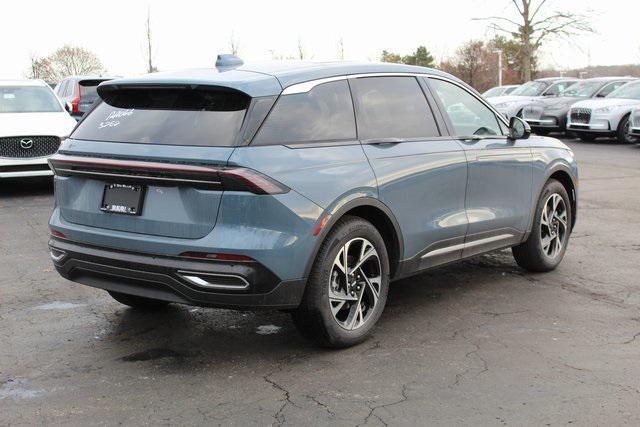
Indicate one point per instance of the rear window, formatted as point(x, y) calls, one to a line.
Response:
point(88, 88)
point(208, 116)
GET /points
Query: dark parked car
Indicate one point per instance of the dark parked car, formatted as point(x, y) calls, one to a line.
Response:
point(550, 114)
point(79, 93)
point(304, 187)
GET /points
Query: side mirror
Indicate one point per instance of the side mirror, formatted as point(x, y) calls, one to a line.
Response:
point(518, 128)
point(68, 107)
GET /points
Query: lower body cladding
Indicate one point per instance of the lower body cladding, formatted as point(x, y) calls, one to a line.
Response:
point(207, 283)
point(23, 168)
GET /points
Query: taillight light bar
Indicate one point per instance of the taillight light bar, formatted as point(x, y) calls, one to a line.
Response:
point(166, 174)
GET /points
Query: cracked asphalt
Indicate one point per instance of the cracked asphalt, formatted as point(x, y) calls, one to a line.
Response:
point(480, 342)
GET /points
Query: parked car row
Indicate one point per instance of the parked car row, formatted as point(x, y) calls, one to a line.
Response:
point(35, 119)
point(589, 108)
point(33, 122)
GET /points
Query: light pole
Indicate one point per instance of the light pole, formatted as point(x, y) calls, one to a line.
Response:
point(499, 52)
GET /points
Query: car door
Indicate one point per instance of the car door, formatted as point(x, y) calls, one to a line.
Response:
point(421, 173)
point(499, 179)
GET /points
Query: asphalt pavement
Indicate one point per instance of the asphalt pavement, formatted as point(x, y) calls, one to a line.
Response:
point(480, 342)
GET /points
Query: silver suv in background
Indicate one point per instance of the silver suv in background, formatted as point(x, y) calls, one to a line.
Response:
point(512, 105)
point(79, 93)
point(606, 117)
point(550, 114)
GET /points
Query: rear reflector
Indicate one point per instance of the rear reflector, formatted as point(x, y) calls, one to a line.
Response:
point(166, 174)
point(215, 256)
point(58, 234)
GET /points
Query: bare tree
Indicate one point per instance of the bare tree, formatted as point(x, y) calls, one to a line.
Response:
point(234, 45)
point(149, 48)
point(74, 60)
point(536, 24)
point(41, 68)
point(301, 52)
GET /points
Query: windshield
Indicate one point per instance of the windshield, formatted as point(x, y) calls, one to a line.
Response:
point(628, 91)
point(530, 89)
point(496, 91)
point(28, 99)
point(582, 89)
point(174, 116)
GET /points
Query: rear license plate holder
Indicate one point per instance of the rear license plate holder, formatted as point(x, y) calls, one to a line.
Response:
point(123, 199)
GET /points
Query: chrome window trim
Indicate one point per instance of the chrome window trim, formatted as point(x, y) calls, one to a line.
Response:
point(305, 87)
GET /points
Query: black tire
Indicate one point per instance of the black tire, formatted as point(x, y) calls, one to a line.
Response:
point(314, 318)
point(140, 303)
point(530, 254)
point(622, 134)
point(587, 137)
point(542, 132)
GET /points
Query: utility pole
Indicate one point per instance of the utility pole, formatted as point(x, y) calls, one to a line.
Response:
point(499, 52)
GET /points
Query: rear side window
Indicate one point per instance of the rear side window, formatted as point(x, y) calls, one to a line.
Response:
point(204, 116)
point(325, 113)
point(392, 107)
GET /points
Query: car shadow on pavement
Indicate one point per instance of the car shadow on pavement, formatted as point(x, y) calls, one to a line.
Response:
point(186, 337)
point(16, 188)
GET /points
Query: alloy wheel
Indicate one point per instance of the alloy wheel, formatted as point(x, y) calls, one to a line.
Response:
point(354, 283)
point(553, 225)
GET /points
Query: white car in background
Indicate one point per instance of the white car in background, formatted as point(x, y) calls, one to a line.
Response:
point(634, 124)
point(500, 91)
point(606, 117)
point(513, 104)
point(33, 122)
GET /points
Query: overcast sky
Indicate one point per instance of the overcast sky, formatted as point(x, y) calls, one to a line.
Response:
point(189, 33)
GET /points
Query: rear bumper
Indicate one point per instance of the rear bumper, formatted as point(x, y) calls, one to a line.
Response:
point(165, 278)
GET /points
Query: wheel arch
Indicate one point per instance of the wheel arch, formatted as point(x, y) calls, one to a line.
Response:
point(374, 211)
point(568, 183)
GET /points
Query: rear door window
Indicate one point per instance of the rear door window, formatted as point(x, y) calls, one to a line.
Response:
point(392, 107)
point(467, 114)
point(202, 116)
point(323, 114)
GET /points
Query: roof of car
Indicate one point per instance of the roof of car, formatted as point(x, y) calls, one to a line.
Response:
point(554, 79)
point(269, 78)
point(24, 82)
point(611, 78)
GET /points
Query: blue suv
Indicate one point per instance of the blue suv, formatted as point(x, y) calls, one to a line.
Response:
point(300, 187)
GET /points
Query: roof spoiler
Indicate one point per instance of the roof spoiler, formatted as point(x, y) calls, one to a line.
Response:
point(228, 62)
